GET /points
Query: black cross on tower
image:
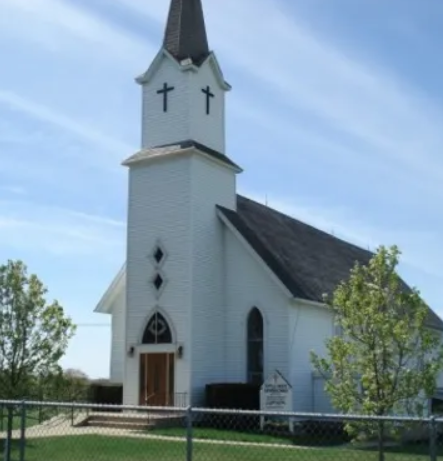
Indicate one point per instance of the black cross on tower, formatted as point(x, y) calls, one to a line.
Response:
point(209, 95)
point(164, 91)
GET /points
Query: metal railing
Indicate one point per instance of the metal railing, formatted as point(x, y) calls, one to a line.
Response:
point(78, 431)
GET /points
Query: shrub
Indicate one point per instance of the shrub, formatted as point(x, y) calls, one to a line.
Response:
point(106, 394)
point(233, 396)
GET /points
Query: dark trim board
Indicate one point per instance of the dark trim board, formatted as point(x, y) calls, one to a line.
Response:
point(176, 148)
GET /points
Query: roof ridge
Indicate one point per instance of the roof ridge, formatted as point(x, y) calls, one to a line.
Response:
point(311, 226)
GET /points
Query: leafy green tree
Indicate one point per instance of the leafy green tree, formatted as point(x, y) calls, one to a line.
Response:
point(386, 359)
point(34, 334)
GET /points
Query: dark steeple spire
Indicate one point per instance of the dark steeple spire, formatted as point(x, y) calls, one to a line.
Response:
point(185, 35)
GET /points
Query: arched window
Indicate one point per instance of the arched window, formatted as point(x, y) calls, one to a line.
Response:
point(255, 347)
point(157, 331)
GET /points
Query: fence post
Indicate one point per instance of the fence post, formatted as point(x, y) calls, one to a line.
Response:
point(433, 438)
point(189, 434)
point(22, 431)
point(8, 440)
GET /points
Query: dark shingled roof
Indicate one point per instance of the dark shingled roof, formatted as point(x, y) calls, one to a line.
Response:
point(308, 261)
point(185, 35)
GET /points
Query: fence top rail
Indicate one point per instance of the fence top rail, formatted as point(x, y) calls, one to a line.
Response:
point(90, 406)
point(317, 416)
point(219, 411)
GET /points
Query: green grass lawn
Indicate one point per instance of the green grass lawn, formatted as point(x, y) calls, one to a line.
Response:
point(326, 444)
point(33, 417)
point(108, 448)
point(216, 434)
point(239, 436)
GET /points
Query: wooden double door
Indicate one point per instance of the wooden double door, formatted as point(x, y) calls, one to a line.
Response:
point(157, 379)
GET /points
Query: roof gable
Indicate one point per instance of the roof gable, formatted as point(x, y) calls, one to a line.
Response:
point(184, 66)
point(104, 306)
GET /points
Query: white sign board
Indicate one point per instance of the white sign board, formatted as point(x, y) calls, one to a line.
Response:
point(276, 395)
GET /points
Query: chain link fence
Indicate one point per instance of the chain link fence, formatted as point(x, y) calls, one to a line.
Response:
point(36, 431)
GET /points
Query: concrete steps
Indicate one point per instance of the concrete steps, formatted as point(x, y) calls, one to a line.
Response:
point(134, 421)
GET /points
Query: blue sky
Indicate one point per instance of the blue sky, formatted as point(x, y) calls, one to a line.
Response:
point(335, 115)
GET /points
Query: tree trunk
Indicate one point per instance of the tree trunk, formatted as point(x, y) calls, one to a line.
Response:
point(381, 441)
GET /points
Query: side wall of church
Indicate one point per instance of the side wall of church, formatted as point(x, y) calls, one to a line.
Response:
point(118, 337)
point(160, 197)
point(309, 327)
point(212, 185)
point(249, 285)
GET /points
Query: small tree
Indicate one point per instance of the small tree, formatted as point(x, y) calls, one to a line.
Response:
point(34, 334)
point(76, 385)
point(386, 359)
point(70, 385)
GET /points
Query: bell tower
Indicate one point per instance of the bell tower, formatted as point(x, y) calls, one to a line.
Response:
point(184, 88)
point(175, 240)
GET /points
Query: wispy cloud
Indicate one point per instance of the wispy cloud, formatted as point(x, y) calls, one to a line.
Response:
point(42, 229)
point(77, 33)
point(53, 117)
point(13, 189)
point(60, 26)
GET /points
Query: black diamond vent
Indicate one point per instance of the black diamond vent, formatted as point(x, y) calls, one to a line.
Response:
point(158, 255)
point(158, 281)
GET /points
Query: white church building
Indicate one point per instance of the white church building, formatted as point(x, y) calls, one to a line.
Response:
point(216, 288)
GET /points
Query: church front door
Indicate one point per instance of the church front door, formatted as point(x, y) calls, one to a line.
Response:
point(157, 379)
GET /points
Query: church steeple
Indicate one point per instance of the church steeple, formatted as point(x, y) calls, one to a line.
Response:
point(185, 34)
point(184, 88)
